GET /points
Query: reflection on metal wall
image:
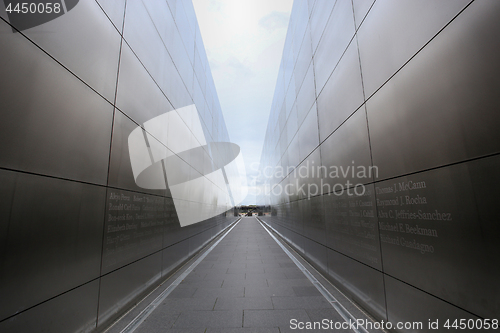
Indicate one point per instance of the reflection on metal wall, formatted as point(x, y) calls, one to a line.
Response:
point(116, 164)
point(381, 156)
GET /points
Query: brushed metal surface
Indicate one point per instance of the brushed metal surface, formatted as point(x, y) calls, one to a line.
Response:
point(53, 246)
point(73, 311)
point(292, 122)
point(395, 30)
point(172, 232)
point(310, 176)
point(290, 97)
point(363, 283)
point(185, 19)
point(115, 10)
point(361, 8)
point(138, 95)
point(346, 155)
point(408, 304)
point(316, 254)
point(90, 51)
point(144, 39)
point(7, 190)
point(52, 123)
point(342, 94)
point(122, 287)
point(182, 63)
point(336, 37)
point(436, 111)
point(304, 58)
point(120, 169)
point(308, 135)
point(314, 219)
point(293, 152)
point(352, 225)
point(319, 18)
point(433, 238)
point(133, 228)
point(306, 95)
point(173, 256)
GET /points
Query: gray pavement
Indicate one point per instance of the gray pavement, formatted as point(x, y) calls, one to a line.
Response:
point(245, 284)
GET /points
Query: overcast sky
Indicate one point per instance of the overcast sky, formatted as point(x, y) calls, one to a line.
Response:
point(244, 42)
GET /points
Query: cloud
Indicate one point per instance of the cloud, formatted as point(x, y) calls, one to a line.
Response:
point(244, 42)
point(274, 20)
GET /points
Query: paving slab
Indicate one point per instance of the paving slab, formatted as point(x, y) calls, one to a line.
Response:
point(247, 283)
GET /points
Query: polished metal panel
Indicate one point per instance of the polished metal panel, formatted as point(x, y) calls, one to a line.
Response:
point(8, 181)
point(72, 312)
point(422, 150)
point(342, 94)
point(64, 137)
point(319, 17)
point(310, 175)
point(408, 304)
point(133, 228)
point(60, 132)
point(306, 96)
point(316, 253)
point(183, 15)
point(363, 283)
point(291, 95)
point(173, 256)
point(142, 36)
point(308, 134)
point(199, 72)
point(361, 8)
point(430, 230)
point(172, 232)
point(293, 215)
point(120, 169)
point(121, 287)
point(304, 58)
point(115, 10)
point(292, 122)
point(402, 28)
point(314, 219)
point(293, 152)
point(337, 35)
point(346, 155)
point(138, 95)
point(56, 243)
point(185, 68)
point(90, 51)
point(352, 225)
point(197, 241)
point(436, 111)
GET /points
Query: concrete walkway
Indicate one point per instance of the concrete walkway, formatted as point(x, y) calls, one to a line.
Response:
point(246, 284)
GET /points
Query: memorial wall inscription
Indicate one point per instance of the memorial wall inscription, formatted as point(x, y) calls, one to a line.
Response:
point(406, 215)
point(431, 235)
point(133, 229)
point(352, 225)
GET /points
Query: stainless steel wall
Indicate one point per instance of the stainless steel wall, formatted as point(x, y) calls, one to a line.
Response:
point(408, 90)
point(79, 239)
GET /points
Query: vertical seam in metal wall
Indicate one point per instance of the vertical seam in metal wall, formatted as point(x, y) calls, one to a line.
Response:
point(368, 127)
point(371, 156)
point(109, 160)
